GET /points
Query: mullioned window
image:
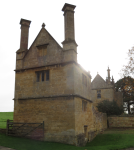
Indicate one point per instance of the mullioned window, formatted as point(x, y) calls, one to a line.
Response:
point(42, 76)
point(98, 94)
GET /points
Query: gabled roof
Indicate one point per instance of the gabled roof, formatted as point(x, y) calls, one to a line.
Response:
point(44, 43)
point(98, 82)
point(48, 33)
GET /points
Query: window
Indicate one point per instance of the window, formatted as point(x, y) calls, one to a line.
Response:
point(47, 75)
point(85, 131)
point(98, 93)
point(84, 105)
point(42, 75)
point(38, 76)
point(84, 79)
point(42, 49)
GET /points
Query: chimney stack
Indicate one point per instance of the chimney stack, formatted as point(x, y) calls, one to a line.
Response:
point(69, 43)
point(25, 24)
point(69, 21)
point(108, 71)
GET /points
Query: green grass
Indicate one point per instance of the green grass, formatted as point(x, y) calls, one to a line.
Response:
point(3, 118)
point(101, 142)
point(111, 139)
point(119, 131)
point(112, 142)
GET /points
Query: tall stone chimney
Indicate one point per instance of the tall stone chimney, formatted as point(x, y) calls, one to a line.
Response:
point(108, 78)
point(24, 34)
point(23, 43)
point(69, 44)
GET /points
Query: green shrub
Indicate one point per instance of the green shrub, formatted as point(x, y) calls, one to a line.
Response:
point(110, 108)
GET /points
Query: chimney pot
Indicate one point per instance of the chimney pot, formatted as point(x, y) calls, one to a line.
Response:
point(69, 6)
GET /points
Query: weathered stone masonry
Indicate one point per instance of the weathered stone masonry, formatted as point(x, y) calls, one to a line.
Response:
point(125, 121)
point(51, 86)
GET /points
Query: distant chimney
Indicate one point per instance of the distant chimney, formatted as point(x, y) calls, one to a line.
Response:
point(24, 34)
point(108, 71)
point(69, 43)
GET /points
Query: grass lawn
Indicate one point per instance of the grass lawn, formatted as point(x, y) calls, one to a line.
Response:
point(119, 131)
point(106, 141)
point(3, 118)
point(111, 139)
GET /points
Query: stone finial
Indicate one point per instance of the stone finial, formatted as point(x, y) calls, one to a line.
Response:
point(43, 25)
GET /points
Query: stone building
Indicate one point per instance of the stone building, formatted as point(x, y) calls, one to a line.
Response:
point(51, 86)
point(105, 90)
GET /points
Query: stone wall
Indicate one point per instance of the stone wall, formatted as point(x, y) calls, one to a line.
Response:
point(94, 121)
point(106, 94)
point(63, 79)
point(121, 121)
point(57, 114)
point(83, 117)
point(99, 120)
point(79, 87)
point(60, 82)
point(63, 117)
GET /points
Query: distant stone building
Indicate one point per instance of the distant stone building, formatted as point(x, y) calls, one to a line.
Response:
point(105, 90)
point(51, 86)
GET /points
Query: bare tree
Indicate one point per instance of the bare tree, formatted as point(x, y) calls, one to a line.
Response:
point(128, 70)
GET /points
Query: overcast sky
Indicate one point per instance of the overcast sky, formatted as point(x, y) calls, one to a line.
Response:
point(104, 31)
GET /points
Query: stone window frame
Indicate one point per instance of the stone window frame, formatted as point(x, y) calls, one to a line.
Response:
point(43, 75)
point(84, 106)
point(98, 94)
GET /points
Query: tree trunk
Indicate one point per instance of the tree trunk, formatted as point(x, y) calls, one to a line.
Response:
point(128, 107)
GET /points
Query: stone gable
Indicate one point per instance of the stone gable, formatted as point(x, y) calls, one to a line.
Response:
point(44, 51)
point(98, 82)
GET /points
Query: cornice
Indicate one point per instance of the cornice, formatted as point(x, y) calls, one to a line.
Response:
point(54, 96)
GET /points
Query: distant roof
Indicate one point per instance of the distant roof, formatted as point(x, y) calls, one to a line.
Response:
point(99, 83)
